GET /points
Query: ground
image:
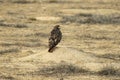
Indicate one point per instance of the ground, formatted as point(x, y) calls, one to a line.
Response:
point(89, 49)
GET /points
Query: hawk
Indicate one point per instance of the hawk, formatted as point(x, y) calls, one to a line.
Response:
point(55, 37)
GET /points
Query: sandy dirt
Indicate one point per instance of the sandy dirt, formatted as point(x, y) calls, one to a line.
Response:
point(89, 49)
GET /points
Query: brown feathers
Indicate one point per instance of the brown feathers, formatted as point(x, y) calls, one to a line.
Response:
point(55, 38)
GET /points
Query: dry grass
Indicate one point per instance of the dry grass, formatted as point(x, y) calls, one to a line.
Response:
point(61, 70)
point(111, 56)
point(13, 25)
point(22, 1)
point(109, 71)
point(92, 19)
point(9, 51)
point(90, 39)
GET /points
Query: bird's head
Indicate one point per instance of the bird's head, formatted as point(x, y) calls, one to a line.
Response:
point(57, 27)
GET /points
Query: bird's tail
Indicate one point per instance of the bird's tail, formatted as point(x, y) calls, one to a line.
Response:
point(50, 50)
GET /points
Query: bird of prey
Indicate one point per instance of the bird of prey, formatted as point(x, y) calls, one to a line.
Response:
point(55, 37)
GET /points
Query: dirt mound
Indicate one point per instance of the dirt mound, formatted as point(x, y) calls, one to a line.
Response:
point(63, 55)
point(69, 55)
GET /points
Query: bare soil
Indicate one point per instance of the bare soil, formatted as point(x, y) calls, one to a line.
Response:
point(89, 49)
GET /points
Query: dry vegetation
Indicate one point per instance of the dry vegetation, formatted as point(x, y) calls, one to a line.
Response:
point(89, 49)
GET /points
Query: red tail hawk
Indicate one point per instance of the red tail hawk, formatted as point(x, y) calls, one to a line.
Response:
point(55, 38)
